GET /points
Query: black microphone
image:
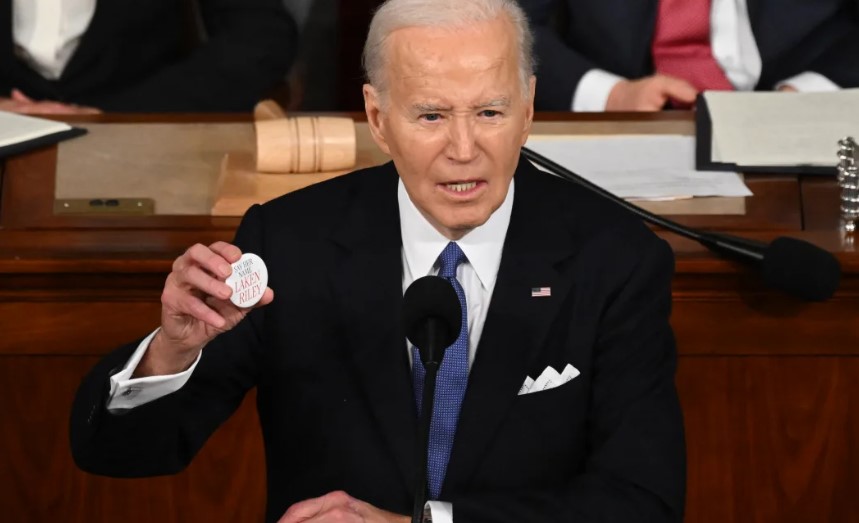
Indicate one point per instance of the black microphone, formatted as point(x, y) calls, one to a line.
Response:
point(791, 265)
point(432, 319)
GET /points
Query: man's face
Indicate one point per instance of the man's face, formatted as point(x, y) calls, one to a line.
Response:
point(453, 119)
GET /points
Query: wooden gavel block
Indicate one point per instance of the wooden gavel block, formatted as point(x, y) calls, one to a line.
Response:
point(304, 144)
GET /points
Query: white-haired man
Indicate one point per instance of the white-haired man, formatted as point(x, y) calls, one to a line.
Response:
point(553, 281)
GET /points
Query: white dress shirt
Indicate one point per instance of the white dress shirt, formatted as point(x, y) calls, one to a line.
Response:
point(734, 49)
point(482, 246)
point(422, 245)
point(46, 33)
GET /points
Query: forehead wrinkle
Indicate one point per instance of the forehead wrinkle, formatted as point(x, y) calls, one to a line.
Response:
point(426, 86)
point(416, 67)
point(417, 58)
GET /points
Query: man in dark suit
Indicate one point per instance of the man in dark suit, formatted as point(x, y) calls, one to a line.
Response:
point(142, 57)
point(555, 283)
point(596, 55)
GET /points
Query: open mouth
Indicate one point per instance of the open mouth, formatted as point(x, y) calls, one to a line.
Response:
point(461, 187)
point(463, 190)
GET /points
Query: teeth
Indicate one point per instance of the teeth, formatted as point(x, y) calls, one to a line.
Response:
point(461, 187)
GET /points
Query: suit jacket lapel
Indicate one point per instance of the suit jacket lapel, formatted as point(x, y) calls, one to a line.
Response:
point(535, 248)
point(649, 14)
point(6, 45)
point(106, 17)
point(754, 9)
point(370, 284)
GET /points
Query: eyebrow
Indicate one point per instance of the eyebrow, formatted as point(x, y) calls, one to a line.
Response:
point(498, 102)
point(435, 108)
point(430, 108)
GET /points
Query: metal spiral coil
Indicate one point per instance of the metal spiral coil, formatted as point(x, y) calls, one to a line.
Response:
point(848, 180)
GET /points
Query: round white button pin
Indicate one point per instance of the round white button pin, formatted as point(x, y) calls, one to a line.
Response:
point(248, 280)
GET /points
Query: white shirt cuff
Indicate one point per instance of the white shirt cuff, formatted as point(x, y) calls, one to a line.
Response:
point(127, 393)
point(592, 92)
point(440, 511)
point(809, 82)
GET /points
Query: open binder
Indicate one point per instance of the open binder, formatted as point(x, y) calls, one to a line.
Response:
point(20, 133)
point(774, 132)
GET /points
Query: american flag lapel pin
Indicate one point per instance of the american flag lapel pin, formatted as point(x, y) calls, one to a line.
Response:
point(541, 292)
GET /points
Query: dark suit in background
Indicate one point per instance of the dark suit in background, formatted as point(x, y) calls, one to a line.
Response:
point(792, 36)
point(335, 395)
point(140, 57)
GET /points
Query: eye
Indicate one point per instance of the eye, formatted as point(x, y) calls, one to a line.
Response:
point(430, 117)
point(490, 113)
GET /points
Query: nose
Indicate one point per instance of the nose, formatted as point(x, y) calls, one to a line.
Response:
point(462, 145)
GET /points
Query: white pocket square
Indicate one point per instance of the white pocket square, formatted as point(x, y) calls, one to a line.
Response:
point(548, 379)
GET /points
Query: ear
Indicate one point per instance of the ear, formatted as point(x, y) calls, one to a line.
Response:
point(375, 117)
point(529, 108)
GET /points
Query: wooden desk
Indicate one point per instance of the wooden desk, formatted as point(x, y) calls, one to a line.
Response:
point(766, 382)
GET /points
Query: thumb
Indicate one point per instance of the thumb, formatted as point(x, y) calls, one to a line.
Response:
point(18, 96)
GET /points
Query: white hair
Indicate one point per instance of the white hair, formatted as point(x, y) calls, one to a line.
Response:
point(397, 14)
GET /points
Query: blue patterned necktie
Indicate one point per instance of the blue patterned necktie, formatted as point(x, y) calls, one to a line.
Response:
point(450, 383)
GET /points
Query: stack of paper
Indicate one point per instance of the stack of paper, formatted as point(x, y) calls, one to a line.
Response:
point(653, 167)
point(775, 132)
point(19, 133)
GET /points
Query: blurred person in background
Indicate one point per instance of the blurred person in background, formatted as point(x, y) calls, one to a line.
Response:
point(83, 56)
point(620, 55)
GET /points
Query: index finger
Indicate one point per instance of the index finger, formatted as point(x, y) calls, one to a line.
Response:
point(309, 508)
point(228, 251)
point(208, 259)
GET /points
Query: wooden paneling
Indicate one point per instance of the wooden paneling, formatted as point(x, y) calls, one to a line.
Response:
point(771, 439)
point(74, 327)
point(820, 198)
point(39, 482)
point(765, 324)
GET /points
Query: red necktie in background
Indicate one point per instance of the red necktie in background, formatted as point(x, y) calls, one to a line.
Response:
point(681, 44)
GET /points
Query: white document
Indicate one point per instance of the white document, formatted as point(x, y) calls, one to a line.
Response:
point(781, 129)
point(651, 167)
point(17, 128)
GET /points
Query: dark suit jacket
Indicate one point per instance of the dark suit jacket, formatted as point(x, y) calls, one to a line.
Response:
point(334, 390)
point(138, 57)
point(793, 36)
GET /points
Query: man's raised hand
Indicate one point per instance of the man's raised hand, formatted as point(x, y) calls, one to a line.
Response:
point(195, 307)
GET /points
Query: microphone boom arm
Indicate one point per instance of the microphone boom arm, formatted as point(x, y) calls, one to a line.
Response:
point(794, 266)
point(646, 215)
